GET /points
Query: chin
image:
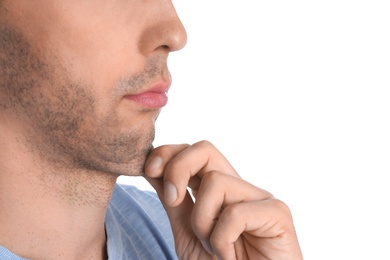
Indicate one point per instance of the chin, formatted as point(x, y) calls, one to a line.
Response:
point(135, 167)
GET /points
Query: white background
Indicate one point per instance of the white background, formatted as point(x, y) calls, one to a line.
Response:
point(296, 95)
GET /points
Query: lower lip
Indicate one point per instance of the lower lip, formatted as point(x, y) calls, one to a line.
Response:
point(150, 99)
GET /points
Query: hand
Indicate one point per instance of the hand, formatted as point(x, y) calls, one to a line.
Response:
point(229, 217)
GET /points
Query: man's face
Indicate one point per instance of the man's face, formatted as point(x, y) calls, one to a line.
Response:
point(71, 73)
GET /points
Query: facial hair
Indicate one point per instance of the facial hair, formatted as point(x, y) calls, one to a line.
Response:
point(60, 117)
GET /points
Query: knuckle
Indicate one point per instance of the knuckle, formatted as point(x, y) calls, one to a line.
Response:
point(232, 211)
point(284, 212)
point(212, 177)
point(281, 206)
point(285, 225)
point(204, 144)
point(199, 228)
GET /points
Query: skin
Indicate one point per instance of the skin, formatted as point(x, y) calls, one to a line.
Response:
point(229, 218)
point(67, 132)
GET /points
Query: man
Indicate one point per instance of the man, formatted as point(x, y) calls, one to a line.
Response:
point(81, 85)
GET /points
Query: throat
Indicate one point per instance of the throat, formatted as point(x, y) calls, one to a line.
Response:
point(79, 189)
point(48, 211)
point(55, 215)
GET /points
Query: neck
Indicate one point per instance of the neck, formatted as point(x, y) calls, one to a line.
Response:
point(51, 212)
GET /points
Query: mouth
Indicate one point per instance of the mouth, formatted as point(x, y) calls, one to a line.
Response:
point(154, 97)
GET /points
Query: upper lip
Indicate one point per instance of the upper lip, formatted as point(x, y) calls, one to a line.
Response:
point(157, 87)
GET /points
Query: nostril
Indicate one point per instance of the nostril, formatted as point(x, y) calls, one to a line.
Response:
point(169, 35)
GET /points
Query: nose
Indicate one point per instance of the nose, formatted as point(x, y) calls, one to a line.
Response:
point(164, 30)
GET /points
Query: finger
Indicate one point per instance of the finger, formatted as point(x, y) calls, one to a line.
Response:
point(197, 159)
point(269, 220)
point(179, 218)
point(158, 158)
point(154, 168)
point(217, 191)
point(155, 163)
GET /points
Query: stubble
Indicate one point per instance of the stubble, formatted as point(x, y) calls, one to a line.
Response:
point(59, 114)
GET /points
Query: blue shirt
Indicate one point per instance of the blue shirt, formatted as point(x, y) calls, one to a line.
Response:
point(137, 227)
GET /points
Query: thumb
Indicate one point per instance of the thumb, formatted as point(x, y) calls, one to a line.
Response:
point(168, 192)
point(179, 216)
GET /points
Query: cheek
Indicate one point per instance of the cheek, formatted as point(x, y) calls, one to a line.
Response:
point(63, 108)
point(95, 58)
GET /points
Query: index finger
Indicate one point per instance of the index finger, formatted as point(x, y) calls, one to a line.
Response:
point(179, 168)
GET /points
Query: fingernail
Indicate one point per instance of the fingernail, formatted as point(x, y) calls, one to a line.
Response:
point(170, 193)
point(206, 245)
point(155, 164)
